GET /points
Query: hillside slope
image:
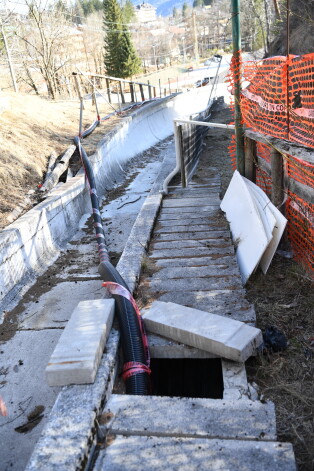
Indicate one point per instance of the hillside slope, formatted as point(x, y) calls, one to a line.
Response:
point(31, 128)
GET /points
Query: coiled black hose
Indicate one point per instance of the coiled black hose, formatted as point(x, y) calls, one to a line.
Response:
point(131, 336)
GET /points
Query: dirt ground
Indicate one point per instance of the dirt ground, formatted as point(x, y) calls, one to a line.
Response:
point(283, 298)
point(31, 128)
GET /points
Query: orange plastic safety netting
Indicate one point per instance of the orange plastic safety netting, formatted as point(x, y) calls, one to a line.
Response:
point(278, 97)
point(278, 100)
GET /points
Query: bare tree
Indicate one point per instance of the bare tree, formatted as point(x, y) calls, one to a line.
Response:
point(45, 40)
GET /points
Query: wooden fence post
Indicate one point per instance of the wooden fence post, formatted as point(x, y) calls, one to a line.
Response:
point(149, 90)
point(108, 90)
point(132, 92)
point(277, 178)
point(79, 91)
point(250, 159)
point(121, 92)
point(142, 92)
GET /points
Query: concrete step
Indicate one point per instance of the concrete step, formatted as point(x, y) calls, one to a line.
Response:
point(199, 272)
point(137, 453)
point(188, 228)
point(210, 208)
point(210, 283)
point(231, 304)
point(191, 202)
point(189, 242)
point(212, 213)
point(208, 234)
point(194, 192)
point(192, 252)
point(189, 417)
point(196, 262)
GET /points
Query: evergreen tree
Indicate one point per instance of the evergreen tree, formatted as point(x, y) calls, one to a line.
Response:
point(184, 9)
point(198, 3)
point(90, 6)
point(128, 12)
point(120, 56)
point(131, 63)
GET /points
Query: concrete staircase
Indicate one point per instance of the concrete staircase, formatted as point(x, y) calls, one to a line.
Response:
point(192, 251)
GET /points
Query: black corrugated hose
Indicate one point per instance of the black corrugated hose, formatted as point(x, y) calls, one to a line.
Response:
point(131, 336)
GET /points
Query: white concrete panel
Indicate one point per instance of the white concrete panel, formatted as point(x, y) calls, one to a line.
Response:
point(248, 232)
point(226, 338)
point(279, 226)
point(77, 355)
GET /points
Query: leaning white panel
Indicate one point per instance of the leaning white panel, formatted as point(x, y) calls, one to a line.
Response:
point(279, 227)
point(246, 226)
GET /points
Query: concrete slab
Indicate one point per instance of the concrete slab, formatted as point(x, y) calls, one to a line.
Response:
point(208, 234)
point(211, 212)
point(191, 202)
point(190, 242)
point(190, 417)
point(162, 347)
point(25, 391)
point(191, 252)
point(196, 262)
point(226, 303)
point(199, 272)
point(182, 228)
point(137, 453)
point(207, 284)
point(235, 382)
point(226, 338)
point(77, 355)
point(194, 193)
point(201, 209)
point(83, 262)
point(53, 308)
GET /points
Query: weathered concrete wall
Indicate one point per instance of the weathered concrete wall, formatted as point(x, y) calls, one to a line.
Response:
point(28, 245)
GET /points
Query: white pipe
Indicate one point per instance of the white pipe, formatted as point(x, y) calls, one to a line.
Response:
point(178, 162)
point(202, 123)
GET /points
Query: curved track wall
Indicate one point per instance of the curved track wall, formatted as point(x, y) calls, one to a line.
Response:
point(31, 243)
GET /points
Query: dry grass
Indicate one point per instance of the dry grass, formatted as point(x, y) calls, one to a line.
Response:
point(285, 298)
point(30, 130)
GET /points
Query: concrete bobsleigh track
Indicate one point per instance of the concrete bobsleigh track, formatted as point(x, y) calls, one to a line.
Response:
point(28, 245)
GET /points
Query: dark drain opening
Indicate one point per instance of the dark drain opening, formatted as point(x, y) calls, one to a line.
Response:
point(186, 377)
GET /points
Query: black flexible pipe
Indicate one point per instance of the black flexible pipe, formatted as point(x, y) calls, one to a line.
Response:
point(131, 336)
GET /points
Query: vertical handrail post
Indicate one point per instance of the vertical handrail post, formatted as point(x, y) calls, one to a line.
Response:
point(236, 40)
point(180, 154)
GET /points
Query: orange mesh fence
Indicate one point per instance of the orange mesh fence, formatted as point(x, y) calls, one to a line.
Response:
point(300, 215)
point(278, 100)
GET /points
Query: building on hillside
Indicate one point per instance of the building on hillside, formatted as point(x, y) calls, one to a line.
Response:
point(145, 12)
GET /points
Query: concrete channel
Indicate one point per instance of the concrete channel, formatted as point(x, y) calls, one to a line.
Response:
point(94, 427)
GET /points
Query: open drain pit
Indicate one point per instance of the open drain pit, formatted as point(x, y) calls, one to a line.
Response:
point(187, 377)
